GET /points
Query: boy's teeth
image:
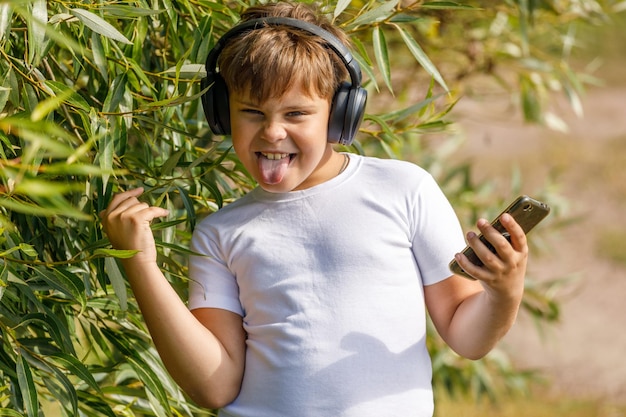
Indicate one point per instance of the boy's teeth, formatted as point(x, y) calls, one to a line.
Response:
point(275, 156)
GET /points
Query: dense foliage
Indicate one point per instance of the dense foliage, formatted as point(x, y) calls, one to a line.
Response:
point(100, 96)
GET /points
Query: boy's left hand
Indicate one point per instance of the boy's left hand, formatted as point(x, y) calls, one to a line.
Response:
point(503, 272)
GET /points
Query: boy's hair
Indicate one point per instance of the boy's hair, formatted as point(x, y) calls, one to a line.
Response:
point(268, 61)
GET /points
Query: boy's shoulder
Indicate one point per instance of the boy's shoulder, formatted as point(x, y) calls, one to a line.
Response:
point(392, 169)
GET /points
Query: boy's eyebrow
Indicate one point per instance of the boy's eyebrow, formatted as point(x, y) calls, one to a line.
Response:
point(296, 106)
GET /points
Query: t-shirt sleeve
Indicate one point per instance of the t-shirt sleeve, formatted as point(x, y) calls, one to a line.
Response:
point(211, 283)
point(438, 235)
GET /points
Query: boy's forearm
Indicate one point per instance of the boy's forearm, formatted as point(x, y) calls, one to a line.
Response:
point(192, 354)
point(480, 322)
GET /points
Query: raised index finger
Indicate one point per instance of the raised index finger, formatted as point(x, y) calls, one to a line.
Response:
point(518, 237)
point(121, 197)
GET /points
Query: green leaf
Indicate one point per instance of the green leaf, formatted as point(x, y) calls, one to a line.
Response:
point(117, 281)
point(43, 188)
point(10, 413)
point(147, 376)
point(37, 22)
point(77, 368)
point(420, 56)
point(116, 253)
point(27, 387)
point(376, 15)
point(447, 5)
point(340, 7)
point(70, 96)
point(129, 12)
point(99, 25)
point(382, 55)
point(64, 395)
point(188, 71)
point(31, 208)
point(6, 12)
point(116, 94)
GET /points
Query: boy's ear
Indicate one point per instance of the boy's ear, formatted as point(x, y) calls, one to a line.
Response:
point(215, 104)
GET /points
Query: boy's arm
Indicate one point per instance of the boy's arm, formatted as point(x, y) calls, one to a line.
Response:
point(203, 350)
point(472, 316)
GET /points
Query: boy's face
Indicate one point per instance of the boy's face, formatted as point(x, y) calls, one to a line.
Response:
point(282, 141)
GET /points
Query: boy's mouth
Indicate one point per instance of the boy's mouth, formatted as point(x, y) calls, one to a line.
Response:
point(273, 165)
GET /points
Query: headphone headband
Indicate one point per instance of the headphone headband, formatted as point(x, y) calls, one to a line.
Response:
point(331, 41)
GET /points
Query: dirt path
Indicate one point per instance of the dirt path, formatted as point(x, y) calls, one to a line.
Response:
point(584, 354)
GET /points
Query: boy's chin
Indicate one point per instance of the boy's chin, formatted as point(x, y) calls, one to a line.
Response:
point(281, 187)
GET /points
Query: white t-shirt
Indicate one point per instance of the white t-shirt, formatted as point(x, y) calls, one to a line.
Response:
point(329, 282)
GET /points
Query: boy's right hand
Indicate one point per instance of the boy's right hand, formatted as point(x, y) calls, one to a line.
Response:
point(126, 221)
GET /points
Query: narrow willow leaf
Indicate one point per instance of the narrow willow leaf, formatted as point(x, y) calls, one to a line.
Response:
point(27, 207)
point(6, 11)
point(340, 7)
point(116, 253)
point(390, 134)
point(147, 376)
point(382, 55)
point(188, 71)
point(76, 169)
point(99, 57)
point(411, 110)
point(421, 57)
point(106, 149)
point(167, 224)
point(77, 368)
point(364, 62)
point(10, 413)
point(27, 249)
point(189, 207)
point(99, 25)
point(27, 387)
point(140, 72)
point(115, 94)
point(42, 188)
point(66, 395)
point(129, 12)
point(447, 5)
point(376, 15)
point(71, 97)
point(37, 31)
point(178, 248)
point(5, 91)
point(117, 281)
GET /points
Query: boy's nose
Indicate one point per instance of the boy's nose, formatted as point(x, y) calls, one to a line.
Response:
point(273, 131)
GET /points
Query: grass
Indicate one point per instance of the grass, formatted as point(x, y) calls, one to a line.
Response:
point(536, 405)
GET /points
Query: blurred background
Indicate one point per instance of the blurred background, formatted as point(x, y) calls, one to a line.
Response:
point(581, 357)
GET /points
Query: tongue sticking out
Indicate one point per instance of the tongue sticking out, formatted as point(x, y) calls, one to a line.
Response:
point(273, 170)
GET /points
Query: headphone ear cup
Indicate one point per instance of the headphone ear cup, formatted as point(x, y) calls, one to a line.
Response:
point(346, 114)
point(216, 105)
point(338, 113)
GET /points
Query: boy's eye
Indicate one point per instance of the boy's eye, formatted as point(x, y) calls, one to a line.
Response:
point(252, 111)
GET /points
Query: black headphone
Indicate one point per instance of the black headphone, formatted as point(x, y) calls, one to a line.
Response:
point(347, 107)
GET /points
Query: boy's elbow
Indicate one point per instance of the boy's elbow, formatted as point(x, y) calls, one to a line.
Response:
point(474, 356)
point(214, 398)
point(472, 353)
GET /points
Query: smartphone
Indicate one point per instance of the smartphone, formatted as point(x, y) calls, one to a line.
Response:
point(526, 211)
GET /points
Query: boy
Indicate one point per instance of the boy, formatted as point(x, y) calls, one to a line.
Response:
point(311, 297)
